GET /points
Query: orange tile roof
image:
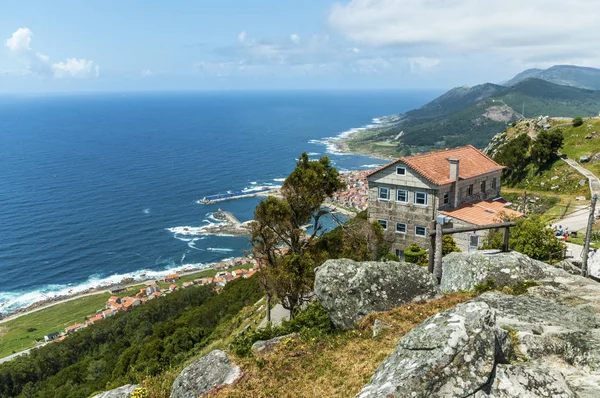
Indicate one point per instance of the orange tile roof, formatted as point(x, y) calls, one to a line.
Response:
point(482, 212)
point(435, 168)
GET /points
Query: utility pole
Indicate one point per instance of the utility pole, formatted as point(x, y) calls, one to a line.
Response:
point(588, 237)
point(525, 202)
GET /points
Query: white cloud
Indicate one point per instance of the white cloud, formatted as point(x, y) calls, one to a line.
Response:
point(74, 67)
point(147, 73)
point(242, 36)
point(295, 38)
point(38, 64)
point(544, 30)
point(20, 40)
point(421, 63)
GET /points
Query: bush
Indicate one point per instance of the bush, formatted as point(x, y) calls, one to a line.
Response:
point(390, 257)
point(449, 245)
point(312, 321)
point(578, 121)
point(489, 284)
point(415, 254)
point(139, 392)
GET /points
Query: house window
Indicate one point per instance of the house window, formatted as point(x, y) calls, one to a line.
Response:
point(402, 196)
point(420, 198)
point(420, 231)
point(493, 183)
point(483, 186)
point(383, 223)
point(401, 171)
point(400, 228)
point(474, 241)
point(384, 193)
point(400, 254)
point(446, 198)
point(470, 190)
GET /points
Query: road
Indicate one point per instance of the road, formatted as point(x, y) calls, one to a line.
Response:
point(278, 313)
point(577, 221)
point(20, 353)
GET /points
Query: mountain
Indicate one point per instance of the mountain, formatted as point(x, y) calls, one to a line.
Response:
point(566, 75)
point(474, 115)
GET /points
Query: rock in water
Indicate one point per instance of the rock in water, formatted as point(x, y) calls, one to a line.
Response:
point(462, 271)
point(451, 354)
point(211, 371)
point(121, 392)
point(349, 290)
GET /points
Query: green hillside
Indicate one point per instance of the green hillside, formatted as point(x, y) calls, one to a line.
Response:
point(567, 75)
point(474, 115)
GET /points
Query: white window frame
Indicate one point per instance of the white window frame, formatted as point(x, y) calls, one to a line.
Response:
point(421, 204)
point(379, 190)
point(471, 238)
point(381, 221)
point(446, 198)
point(470, 190)
point(405, 228)
point(401, 168)
point(424, 229)
point(401, 190)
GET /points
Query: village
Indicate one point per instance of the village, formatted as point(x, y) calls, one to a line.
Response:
point(355, 196)
point(245, 267)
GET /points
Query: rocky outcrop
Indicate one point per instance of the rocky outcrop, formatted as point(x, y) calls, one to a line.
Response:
point(552, 348)
point(452, 354)
point(121, 392)
point(462, 271)
point(208, 373)
point(264, 347)
point(349, 290)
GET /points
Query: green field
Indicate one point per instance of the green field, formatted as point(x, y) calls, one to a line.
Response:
point(24, 332)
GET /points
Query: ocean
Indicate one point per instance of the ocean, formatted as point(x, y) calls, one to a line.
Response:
point(90, 185)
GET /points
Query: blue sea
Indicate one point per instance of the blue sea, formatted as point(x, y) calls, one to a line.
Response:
point(90, 185)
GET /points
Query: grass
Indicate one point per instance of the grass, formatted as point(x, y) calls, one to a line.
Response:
point(337, 365)
point(16, 336)
point(576, 145)
point(567, 203)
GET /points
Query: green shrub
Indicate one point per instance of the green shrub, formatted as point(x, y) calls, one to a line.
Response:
point(312, 321)
point(522, 287)
point(139, 392)
point(489, 284)
point(415, 254)
point(390, 257)
point(578, 121)
point(449, 245)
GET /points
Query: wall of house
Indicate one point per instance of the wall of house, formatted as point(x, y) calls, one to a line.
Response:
point(409, 213)
point(489, 193)
point(463, 239)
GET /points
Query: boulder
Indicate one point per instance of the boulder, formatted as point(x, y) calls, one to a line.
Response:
point(209, 372)
point(526, 381)
point(462, 271)
point(349, 290)
point(121, 392)
point(451, 354)
point(264, 347)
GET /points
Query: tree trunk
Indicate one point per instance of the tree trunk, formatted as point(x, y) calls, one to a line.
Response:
point(268, 308)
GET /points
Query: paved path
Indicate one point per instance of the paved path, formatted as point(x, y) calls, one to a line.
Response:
point(278, 314)
point(593, 180)
point(20, 353)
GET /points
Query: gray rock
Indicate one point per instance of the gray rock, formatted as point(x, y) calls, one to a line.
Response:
point(584, 159)
point(378, 327)
point(462, 271)
point(209, 372)
point(526, 381)
point(264, 347)
point(349, 290)
point(121, 392)
point(451, 354)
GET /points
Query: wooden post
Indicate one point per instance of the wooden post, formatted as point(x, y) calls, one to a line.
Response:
point(432, 227)
point(588, 237)
point(506, 237)
point(437, 264)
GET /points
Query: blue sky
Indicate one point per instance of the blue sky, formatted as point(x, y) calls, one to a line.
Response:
point(67, 45)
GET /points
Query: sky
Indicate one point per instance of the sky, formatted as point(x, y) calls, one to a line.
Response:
point(139, 45)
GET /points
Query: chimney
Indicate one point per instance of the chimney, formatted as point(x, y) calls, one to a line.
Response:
point(454, 163)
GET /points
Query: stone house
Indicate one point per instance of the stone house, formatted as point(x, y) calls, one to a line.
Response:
point(457, 187)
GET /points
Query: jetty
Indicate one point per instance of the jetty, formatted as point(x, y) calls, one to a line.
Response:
point(244, 193)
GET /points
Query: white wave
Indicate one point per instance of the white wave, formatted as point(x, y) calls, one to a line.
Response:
point(279, 179)
point(313, 154)
point(371, 166)
point(253, 183)
point(147, 211)
point(219, 249)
